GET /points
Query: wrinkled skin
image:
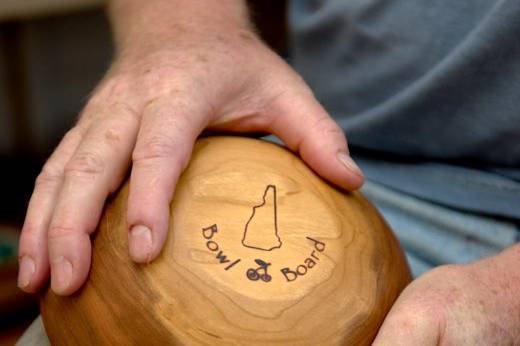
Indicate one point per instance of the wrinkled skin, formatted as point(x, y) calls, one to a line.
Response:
point(179, 70)
point(472, 304)
point(146, 114)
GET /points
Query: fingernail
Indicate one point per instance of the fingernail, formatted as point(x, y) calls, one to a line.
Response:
point(347, 161)
point(26, 271)
point(140, 243)
point(61, 270)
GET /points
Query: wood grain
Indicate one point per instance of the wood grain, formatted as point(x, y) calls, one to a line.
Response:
point(261, 251)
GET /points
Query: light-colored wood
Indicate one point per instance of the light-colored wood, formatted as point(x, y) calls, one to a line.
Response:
point(261, 251)
point(24, 9)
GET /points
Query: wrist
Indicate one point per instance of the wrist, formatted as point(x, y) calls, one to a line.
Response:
point(139, 25)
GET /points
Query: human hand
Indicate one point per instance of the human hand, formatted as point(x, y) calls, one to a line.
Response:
point(473, 304)
point(147, 112)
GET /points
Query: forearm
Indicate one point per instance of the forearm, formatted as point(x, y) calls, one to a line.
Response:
point(138, 22)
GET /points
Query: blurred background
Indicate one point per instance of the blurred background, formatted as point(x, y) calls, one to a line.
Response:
point(52, 54)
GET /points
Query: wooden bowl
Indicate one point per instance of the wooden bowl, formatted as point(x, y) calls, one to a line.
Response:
point(261, 251)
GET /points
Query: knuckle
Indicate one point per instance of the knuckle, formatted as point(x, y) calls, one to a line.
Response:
point(115, 87)
point(156, 147)
point(50, 176)
point(328, 129)
point(125, 112)
point(29, 230)
point(59, 231)
point(73, 135)
point(326, 124)
point(118, 88)
point(333, 130)
point(155, 80)
point(84, 164)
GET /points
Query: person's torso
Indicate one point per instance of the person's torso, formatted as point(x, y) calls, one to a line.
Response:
point(428, 92)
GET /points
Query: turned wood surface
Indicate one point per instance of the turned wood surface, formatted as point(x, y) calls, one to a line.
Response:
point(261, 251)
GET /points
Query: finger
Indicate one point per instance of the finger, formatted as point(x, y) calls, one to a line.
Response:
point(96, 169)
point(33, 254)
point(304, 126)
point(164, 144)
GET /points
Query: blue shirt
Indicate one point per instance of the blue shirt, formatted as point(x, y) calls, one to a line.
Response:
point(428, 92)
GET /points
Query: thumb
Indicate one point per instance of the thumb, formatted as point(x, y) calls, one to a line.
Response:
point(305, 127)
point(409, 326)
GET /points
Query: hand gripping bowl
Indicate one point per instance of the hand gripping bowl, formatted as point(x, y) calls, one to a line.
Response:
point(261, 251)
